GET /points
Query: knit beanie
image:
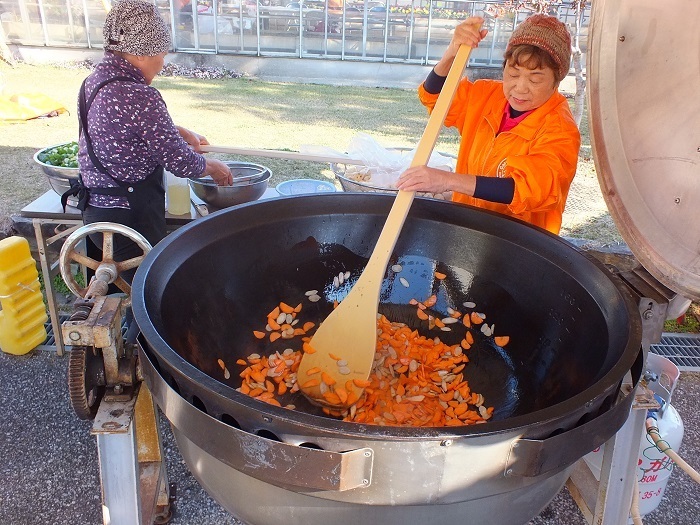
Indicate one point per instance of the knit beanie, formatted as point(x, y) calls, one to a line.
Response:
point(136, 27)
point(550, 35)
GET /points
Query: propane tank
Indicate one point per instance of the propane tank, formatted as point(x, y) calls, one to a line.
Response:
point(654, 468)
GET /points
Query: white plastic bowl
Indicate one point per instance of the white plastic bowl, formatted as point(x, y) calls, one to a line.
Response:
point(302, 186)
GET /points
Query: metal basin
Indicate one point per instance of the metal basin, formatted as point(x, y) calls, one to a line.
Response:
point(59, 178)
point(575, 333)
point(256, 179)
point(355, 182)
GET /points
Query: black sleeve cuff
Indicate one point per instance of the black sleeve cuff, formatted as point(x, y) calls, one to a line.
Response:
point(433, 84)
point(495, 189)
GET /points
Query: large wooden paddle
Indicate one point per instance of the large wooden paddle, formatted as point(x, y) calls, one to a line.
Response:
point(341, 353)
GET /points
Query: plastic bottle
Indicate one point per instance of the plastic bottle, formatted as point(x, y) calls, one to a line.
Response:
point(178, 194)
point(23, 311)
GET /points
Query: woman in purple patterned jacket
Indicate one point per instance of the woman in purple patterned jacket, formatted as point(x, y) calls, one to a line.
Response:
point(127, 137)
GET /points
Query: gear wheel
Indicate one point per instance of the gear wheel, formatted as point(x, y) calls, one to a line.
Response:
point(86, 380)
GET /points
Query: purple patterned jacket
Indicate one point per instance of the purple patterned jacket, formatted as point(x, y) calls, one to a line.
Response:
point(131, 132)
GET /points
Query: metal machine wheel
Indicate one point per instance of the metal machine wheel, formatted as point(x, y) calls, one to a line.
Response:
point(86, 380)
point(107, 269)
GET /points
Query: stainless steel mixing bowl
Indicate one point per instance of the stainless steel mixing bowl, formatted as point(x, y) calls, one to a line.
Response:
point(253, 182)
point(59, 178)
point(354, 182)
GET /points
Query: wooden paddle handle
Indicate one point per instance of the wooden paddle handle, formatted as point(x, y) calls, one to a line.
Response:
point(277, 154)
point(402, 204)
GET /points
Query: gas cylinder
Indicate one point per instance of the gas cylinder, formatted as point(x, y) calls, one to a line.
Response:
point(653, 466)
point(23, 312)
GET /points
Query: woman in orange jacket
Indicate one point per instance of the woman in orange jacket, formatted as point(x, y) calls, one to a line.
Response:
point(519, 143)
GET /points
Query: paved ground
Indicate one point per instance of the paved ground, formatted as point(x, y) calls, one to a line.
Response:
point(49, 469)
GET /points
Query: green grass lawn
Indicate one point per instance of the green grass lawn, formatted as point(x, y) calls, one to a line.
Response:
point(249, 113)
point(229, 112)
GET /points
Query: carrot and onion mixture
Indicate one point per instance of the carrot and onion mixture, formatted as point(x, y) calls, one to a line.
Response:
point(415, 380)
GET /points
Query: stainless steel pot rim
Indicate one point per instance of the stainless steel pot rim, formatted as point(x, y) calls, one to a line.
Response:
point(604, 387)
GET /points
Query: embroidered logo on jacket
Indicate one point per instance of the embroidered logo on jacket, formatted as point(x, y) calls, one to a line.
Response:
point(501, 170)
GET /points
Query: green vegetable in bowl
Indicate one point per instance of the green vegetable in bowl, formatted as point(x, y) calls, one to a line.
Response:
point(63, 156)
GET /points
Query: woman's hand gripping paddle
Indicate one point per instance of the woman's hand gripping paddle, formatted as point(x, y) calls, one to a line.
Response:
point(340, 355)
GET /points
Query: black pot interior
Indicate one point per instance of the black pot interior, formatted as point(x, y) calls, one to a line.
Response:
point(205, 289)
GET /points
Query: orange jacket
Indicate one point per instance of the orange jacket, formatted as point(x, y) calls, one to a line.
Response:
point(540, 153)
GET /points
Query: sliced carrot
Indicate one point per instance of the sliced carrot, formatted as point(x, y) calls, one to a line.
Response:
point(221, 363)
point(308, 349)
point(258, 376)
point(274, 313)
point(352, 398)
point(312, 371)
point(422, 315)
point(440, 275)
point(311, 383)
point(476, 318)
point(430, 301)
point(297, 308)
point(241, 362)
point(286, 308)
point(274, 336)
point(334, 357)
point(342, 394)
point(361, 383)
point(501, 340)
point(332, 398)
point(328, 379)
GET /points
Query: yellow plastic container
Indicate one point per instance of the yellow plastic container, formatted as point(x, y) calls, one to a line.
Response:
point(23, 312)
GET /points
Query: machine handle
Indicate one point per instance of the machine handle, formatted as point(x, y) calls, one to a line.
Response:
point(259, 457)
point(534, 457)
point(279, 154)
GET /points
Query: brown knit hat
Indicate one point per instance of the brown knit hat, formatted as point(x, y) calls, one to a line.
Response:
point(550, 35)
point(136, 27)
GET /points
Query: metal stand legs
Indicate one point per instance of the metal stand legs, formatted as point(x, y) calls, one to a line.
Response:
point(135, 487)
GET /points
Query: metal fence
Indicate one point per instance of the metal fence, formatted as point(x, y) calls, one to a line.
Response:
point(405, 31)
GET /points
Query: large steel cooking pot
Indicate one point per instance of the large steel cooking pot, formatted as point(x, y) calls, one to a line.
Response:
point(575, 333)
